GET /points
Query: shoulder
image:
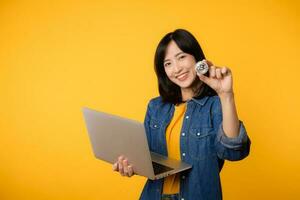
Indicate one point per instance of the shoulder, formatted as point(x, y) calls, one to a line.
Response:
point(215, 100)
point(211, 104)
point(215, 104)
point(156, 102)
point(209, 101)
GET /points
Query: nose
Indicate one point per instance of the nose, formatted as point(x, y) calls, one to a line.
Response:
point(177, 68)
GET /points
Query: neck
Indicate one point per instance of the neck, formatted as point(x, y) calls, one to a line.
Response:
point(188, 93)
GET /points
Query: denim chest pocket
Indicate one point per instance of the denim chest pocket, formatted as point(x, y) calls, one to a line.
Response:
point(201, 143)
point(155, 126)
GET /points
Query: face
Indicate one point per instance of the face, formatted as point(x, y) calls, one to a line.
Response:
point(179, 66)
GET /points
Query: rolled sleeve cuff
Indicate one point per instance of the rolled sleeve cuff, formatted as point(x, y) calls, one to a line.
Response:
point(233, 143)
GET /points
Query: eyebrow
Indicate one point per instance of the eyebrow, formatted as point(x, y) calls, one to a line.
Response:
point(175, 56)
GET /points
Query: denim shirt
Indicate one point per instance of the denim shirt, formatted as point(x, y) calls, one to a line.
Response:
point(203, 144)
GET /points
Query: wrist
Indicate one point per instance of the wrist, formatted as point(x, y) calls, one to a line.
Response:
point(226, 95)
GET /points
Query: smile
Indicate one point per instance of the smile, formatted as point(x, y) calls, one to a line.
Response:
point(182, 77)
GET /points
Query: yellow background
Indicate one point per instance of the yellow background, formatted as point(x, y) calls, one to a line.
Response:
point(57, 56)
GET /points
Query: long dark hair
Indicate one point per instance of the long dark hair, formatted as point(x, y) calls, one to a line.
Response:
point(169, 91)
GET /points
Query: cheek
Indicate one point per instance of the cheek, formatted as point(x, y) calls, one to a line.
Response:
point(169, 73)
point(191, 62)
point(192, 67)
point(193, 71)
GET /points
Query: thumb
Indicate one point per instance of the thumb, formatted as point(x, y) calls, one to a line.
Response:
point(204, 78)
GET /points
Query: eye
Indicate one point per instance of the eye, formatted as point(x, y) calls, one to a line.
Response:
point(181, 57)
point(167, 64)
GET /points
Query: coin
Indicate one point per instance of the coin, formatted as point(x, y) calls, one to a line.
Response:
point(201, 67)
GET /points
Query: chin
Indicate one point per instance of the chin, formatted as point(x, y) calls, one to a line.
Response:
point(185, 85)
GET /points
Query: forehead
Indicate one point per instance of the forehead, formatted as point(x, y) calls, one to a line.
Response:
point(172, 50)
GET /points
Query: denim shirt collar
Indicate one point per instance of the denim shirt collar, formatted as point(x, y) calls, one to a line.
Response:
point(201, 101)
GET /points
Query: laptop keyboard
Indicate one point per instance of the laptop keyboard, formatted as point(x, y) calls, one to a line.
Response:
point(158, 168)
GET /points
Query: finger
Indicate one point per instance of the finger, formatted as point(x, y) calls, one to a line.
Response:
point(209, 63)
point(125, 165)
point(224, 70)
point(115, 166)
point(204, 78)
point(121, 171)
point(120, 158)
point(130, 170)
point(120, 165)
point(212, 71)
point(218, 73)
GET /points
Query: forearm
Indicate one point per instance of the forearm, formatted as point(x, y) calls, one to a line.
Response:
point(231, 122)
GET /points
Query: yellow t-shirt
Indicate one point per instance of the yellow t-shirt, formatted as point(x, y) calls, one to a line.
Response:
point(172, 183)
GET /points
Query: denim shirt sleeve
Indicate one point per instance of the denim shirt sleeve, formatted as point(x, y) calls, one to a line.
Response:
point(147, 122)
point(229, 148)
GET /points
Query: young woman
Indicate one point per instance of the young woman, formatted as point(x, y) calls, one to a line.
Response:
point(194, 120)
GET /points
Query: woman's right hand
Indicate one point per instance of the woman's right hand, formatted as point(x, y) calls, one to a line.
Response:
point(123, 167)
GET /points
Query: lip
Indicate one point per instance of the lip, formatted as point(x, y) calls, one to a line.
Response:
point(182, 76)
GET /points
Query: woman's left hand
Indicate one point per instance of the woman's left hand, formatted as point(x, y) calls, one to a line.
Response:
point(219, 79)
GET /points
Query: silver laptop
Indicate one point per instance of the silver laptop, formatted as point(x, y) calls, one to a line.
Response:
point(112, 136)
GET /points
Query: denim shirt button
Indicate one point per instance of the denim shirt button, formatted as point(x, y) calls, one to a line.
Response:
point(187, 117)
point(155, 126)
point(182, 198)
point(183, 177)
point(183, 154)
point(183, 134)
point(198, 134)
